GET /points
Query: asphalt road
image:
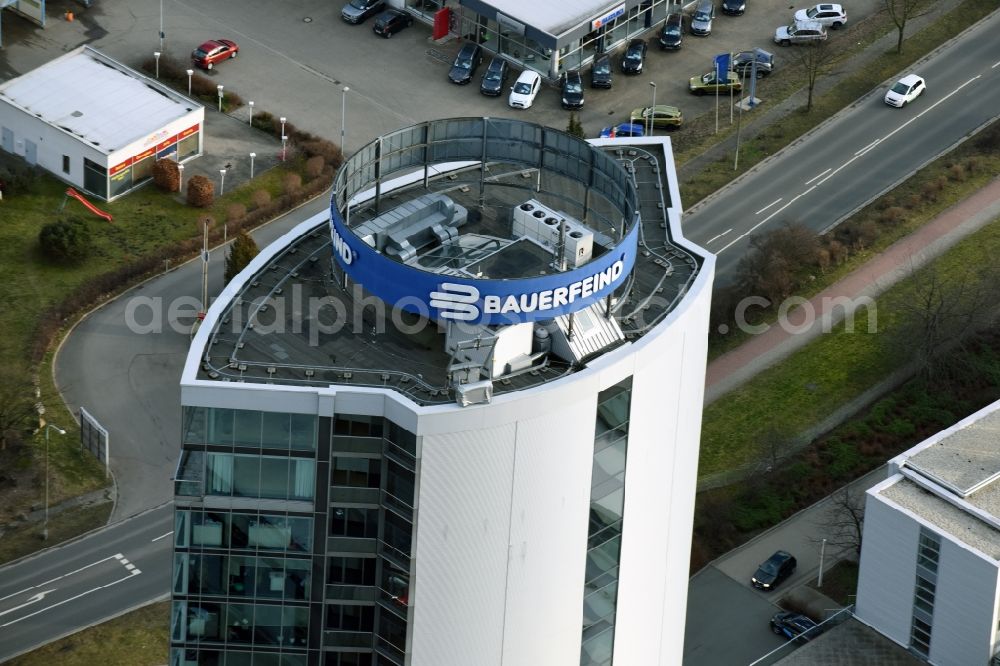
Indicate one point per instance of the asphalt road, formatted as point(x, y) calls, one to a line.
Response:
point(86, 581)
point(856, 156)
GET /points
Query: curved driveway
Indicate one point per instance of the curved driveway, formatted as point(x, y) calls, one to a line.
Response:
point(826, 176)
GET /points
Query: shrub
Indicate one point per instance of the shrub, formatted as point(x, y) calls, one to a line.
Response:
point(166, 175)
point(17, 178)
point(957, 172)
point(974, 163)
point(314, 166)
point(264, 121)
point(260, 198)
point(893, 215)
point(330, 152)
point(66, 240)
point(292, 183)
point(200, 191)
point(235, 212)
point(242, 252)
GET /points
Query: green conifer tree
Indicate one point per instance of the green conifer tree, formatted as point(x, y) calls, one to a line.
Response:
point(241, 253)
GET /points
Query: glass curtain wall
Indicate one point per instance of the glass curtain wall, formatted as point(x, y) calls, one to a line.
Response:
point(607, 499)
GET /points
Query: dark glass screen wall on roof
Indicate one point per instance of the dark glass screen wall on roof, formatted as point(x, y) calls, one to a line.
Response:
point(607, 501)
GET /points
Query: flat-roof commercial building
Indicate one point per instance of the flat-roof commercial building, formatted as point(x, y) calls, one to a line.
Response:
point(455, 421)
point(95, 123)
point(549, 37)
point(930, 558)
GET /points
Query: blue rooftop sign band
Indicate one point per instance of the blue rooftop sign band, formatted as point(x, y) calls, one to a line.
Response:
point(481, 301)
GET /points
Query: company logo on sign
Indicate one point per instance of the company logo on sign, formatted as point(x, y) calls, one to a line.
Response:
point(340, 248)
point(461, 302)
point(608, 18)
point(456, 301)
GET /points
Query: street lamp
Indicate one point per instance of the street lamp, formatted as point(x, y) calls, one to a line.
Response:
point(156, 54)
point(282, 119)
point(219, 88)
point(283, 140)
point(251, 115)
point(48, 426)
point(222, 182)
point(252, 155)
point(652, 111)
point(180, 186)
point(161, 25)
point(190, 73)
point(343, 117)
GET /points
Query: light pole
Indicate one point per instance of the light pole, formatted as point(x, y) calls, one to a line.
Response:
point(282, 120)
point(156, 54)
point(343, 117)
point(652, 110)
point(822, 558)
point(180, 185)
point(284, 139)
point(252, 155)
point(219, 88)
point(251, 114)
point(190, 73)
point(161, 25)
point(222, 181)
point(48, 426)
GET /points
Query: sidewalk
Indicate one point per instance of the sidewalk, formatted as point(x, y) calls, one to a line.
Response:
point(868, 281)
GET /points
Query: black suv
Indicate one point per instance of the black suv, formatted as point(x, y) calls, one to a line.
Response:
point(672, 31)
point(777, 568)
point(391, 21)
point(494, 77)
point(734, 7)
point(634, 57)
point(600, 74)
point(743, 62)
point(572, 90)
point(469, 58)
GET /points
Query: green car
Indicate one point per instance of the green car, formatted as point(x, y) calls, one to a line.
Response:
point(664, 117)
point(708, 83)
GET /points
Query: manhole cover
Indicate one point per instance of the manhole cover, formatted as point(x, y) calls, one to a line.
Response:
point(308, 19)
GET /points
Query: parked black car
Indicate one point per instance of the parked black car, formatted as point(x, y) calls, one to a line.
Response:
point(777, 568)
point(672, 31)
point(743, 62)
point(634, 57)
point(357, 11)
point(734, 7)
point(391, 21)
point(495, 77)
point(794, 626)
point(469, 58)
point(572, 90)
point(601, 73)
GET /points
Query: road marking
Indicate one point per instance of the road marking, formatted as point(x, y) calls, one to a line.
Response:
point(116, 556)
point(66, 601)
point(768, 206)
point(19, 592)
point(163, 536)
point(865, 149)
point(818, 176)
point(32, 600)
point(764, 221)
point(995, 65)
point(717, 237)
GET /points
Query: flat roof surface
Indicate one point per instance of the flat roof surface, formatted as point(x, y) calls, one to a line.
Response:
point(553, 16)
point(964, 459)
point(850, 643)
point(960, 525)
point(96, 99)
point(245, 345)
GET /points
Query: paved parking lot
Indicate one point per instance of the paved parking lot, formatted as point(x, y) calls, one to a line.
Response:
point(296, 58)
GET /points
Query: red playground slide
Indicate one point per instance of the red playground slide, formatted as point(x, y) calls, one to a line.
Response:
point(70, 192)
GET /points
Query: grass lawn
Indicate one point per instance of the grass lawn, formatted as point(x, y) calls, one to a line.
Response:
point(840, 582)
point(20, 541)
point(138, 638)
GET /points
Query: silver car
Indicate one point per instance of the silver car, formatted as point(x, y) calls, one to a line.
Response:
point(701, 20)
point(800, 32)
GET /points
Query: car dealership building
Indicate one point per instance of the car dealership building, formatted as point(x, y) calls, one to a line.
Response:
point(549, 37)
point(453, 421)
point(97, 124)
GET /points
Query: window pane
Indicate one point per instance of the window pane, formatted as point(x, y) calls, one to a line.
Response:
point(275, 430)
point(248, 427)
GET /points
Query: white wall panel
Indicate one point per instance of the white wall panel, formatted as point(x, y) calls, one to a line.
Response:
point(460, 554)
point(887, 576)
point(548, 539)
point(964, 604)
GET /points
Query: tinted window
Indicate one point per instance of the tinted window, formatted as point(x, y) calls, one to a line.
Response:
point(602, 66)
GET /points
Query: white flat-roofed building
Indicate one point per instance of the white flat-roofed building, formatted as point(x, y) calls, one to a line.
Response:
point(97, 124)
point(930, 559)
point(452, 483)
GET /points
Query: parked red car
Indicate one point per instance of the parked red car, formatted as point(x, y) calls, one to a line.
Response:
point(213, 51)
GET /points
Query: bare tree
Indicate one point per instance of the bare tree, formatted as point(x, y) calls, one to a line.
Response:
point(777, 259)
point(17, 405)
point(814, 58)
point(938, 312)
point(901, 11)
point(846, 523)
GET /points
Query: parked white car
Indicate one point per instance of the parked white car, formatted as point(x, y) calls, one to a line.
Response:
point(832, 16)
point(905, 90)
point(523, 93)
